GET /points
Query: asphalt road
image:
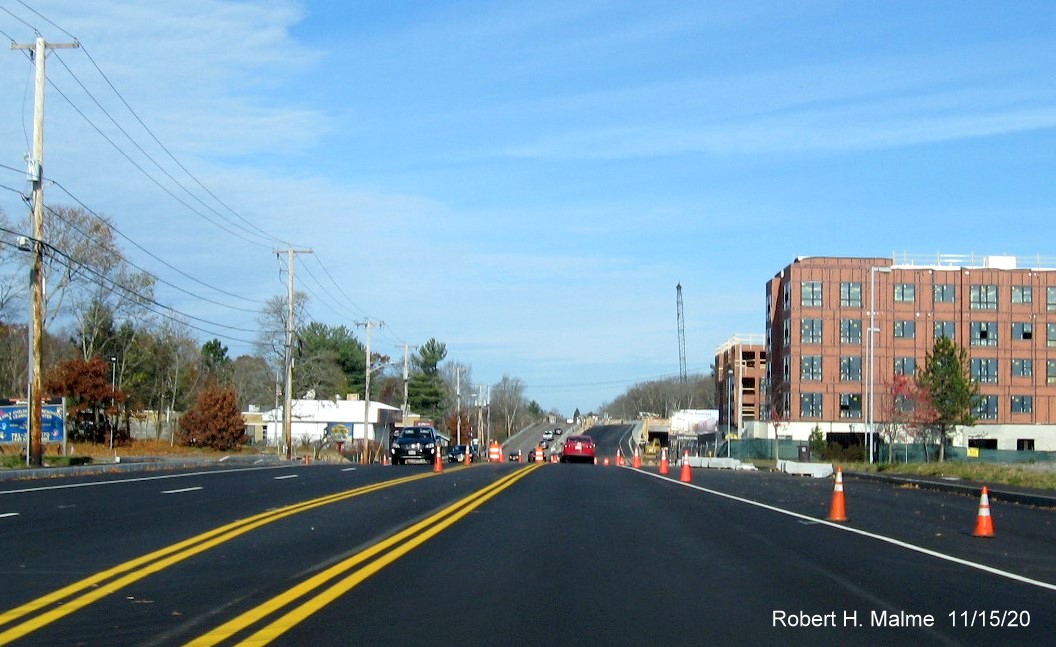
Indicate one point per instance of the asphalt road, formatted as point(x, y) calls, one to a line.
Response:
point(529, 554)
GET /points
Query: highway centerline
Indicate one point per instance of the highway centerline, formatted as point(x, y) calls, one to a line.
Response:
point(80, 594)
point(400, 544)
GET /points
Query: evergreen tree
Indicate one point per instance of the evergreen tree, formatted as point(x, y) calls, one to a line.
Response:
point(947, 387)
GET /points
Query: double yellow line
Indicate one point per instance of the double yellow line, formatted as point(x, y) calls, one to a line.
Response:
point(76, 596)
point(400, 544)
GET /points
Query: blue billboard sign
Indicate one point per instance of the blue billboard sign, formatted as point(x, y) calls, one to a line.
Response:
point(14, 423)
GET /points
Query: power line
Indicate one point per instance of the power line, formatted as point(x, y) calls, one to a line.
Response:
point(150, 132)
point(155, 257)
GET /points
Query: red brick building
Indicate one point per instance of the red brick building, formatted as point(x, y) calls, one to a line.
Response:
point(740, 370)
point(824, 364)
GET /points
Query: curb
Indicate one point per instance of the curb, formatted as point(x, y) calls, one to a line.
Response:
point(969, 488)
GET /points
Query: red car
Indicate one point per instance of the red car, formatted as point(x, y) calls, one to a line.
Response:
point(578, 448)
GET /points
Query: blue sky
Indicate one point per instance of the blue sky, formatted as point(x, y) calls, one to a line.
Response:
point(527, 182)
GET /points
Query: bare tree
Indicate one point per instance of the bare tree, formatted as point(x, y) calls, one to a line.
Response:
point(507, 400)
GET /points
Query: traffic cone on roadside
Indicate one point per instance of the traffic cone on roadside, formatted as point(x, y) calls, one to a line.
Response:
point(438, 465)
point(469, 458)
point(663, 461)
point(619, 458)
point(636, 462)
point(687, 474)
point(605, 462)
point(385, 460)
point(984, 523)
point(838, 508)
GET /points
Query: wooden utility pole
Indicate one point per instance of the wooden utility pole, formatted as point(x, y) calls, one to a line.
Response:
point(366, 388)
point(287, 420)
point(35, 172)
point(364, 457)
point(405, 410)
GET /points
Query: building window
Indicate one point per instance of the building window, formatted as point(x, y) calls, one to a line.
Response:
point(1025, 445)
point(1050, 371)
point(786, 370)
point(786, 332)
point(1022, 294)
point(851, 295)
point(984, 333)
point(986, 407)
point(850, 331)
point(982, 297)
point(905, 365)
point(786, 295)
point(1022, 331)
point(904, 404)
point(810, 294)
point(810, 368)
point(810, 331)
point(984, 370)
point(1022, 404)
point(905, 329)
point(810, 405)
point(945, 329)
point(1050, 335)
point(905, 292)
point(851, 368)
point(944, 292)
point(850, 405)
point(1022, 367)
point(1050, 299)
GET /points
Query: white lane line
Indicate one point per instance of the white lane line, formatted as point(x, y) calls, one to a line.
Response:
point(8, 514)
point(863, 533)
point(182, 490)
point(288, 476)
point(349, 469)
point(143, 478)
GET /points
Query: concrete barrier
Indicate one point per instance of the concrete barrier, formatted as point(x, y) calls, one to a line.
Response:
point(817, 470)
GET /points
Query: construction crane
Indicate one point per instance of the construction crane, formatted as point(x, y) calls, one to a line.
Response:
point(681, 338)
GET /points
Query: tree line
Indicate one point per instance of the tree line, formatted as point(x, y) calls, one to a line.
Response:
point(117, 354)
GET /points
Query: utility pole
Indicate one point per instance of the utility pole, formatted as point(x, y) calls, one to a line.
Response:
point(458, 404)
point(368, 324)
point(405, 410)
point(287, 420)
point(35, 173)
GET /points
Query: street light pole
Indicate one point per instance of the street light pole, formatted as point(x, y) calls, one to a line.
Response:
point(113, 393)
point(729, 407)
point(871, 355)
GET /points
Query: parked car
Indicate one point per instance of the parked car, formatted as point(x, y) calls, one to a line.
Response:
point(415, 444)
point(578, 449)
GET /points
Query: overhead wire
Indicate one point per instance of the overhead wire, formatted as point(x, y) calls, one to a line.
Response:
point(158, 259)
point(260, 232)
point(163, 310)
point(150, 132)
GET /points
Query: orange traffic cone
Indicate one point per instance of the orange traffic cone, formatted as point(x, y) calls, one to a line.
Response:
point(438, 465)
point(469, 458)
point(984, 523)
point(636, 462)
point(687, 475)
point(663, 461)
point(605, 462)
point(307, 459)
point(619, 458)
point(385, 460)
point(838, 508)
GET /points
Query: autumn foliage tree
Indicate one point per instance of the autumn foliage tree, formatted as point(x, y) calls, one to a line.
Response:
point(214, 420)
point(88, 386)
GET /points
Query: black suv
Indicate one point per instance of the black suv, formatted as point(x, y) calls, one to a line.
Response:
point(415, 444)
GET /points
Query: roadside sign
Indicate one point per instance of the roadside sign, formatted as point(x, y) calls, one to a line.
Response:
point(14, 423)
